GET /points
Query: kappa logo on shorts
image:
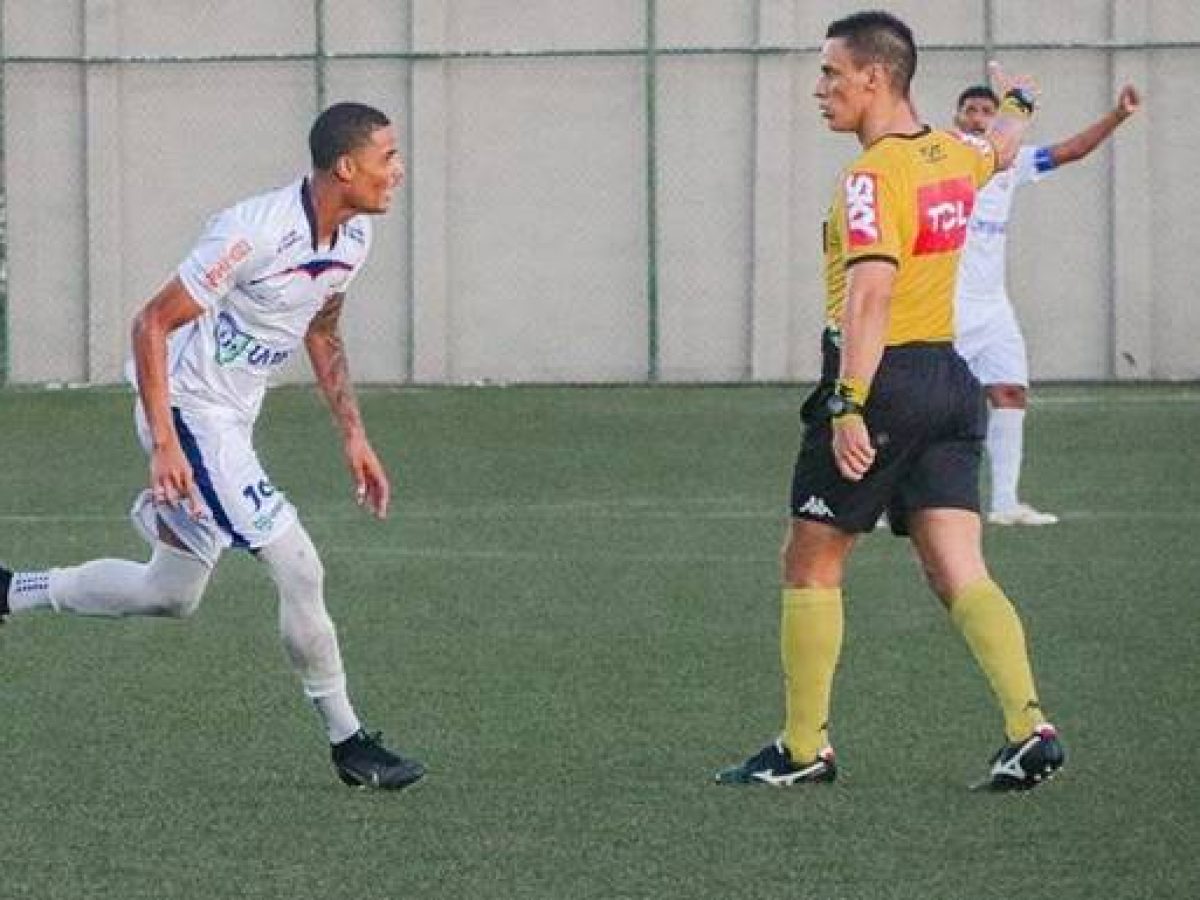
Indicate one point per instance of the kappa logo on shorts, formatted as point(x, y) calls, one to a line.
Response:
point(816, 506)
point(862, 209)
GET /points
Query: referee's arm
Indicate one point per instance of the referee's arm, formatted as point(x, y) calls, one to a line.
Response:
point(864, 330)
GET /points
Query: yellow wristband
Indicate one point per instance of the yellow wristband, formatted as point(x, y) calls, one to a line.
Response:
point(856, 390)
point(1018, 102)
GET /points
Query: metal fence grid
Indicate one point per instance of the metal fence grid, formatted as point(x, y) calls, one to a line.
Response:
point(319, 57)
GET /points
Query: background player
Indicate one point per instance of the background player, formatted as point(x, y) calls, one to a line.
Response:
point(268, 275)
point(897, 420)
point(989, 337)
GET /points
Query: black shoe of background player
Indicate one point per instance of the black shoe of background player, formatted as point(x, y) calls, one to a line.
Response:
point(5, 582)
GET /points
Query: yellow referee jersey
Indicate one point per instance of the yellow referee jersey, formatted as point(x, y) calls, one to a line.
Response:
point(907, 199)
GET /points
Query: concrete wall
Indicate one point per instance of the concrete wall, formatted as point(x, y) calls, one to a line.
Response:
point(547, 233)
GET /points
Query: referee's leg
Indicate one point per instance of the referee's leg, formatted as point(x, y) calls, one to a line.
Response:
point(810, 631)
point(949, 545)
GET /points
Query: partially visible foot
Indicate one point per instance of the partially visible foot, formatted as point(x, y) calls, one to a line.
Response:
point(1023, 765)
point(5, 583)
point(1021, 514)
point(773, 765)
point(362, 760)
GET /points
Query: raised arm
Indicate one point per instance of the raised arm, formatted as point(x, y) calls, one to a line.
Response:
point(327, 352)
point(1018, 95)
point(1080, 145)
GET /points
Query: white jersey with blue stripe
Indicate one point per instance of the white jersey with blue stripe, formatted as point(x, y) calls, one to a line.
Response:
point(260, 277)
point(981, 267)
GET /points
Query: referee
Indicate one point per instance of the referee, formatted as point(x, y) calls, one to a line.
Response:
point(897, 422)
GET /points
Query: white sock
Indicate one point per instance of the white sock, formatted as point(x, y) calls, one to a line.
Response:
point(1005, 440)
point(307, 631)
point(171, 584)
point(29, 590)
point(336, 711)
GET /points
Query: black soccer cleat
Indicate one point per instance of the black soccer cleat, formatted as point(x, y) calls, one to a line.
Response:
point(5, 583)
point(1023, 765)
point(773, 765)
point(362, 761)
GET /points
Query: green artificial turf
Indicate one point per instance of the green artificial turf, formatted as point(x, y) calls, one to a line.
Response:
point(572, 618)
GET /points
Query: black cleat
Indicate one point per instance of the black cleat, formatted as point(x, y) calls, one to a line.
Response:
point(1023, 765)
point(5, 582)
point(773, 765)
point(362, 761)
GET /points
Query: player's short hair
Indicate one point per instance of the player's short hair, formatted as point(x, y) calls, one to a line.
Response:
point(977, 92)
point(340, 129)
point(875, 36)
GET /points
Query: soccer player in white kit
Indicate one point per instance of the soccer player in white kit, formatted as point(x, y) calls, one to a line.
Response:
point(268, 275)
point(989, 337)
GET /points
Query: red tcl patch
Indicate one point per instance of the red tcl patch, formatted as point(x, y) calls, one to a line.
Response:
point(944, 209)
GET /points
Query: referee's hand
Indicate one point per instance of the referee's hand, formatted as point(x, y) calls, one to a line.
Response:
point(852, 450)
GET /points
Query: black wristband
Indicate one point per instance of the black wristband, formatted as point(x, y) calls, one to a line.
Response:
point(1022, 98)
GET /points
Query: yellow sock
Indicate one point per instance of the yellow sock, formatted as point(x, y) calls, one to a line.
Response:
point(810, 640)
point(993, 631)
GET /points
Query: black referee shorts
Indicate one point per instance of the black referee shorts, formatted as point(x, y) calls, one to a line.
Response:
point(927, 416)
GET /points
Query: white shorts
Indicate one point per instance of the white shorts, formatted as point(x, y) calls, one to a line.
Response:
point(242, 508)
point(990, 340)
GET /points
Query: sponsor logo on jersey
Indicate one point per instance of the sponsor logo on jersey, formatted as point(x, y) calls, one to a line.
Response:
point(233, 344)
point(944, 212)
point(862, 209)
point(987, 227)
point(289, 240)
point(220, 270)
point(933, 153)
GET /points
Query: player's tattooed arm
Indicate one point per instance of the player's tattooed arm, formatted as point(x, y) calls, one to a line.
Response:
point(327, 352)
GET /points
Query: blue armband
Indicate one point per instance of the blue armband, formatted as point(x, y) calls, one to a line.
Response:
point(1043, 159)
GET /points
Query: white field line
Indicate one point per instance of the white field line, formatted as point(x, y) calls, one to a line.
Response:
point(1185, 396)
point(587, 510)
point(451, 554)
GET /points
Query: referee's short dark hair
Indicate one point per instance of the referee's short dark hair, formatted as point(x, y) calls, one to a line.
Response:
point(878, 36)
point(977, 92)
point(340, 129)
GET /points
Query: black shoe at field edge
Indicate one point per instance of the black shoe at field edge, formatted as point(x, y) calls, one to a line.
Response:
point(1023, 765)
point(362, 760)
point(5, 582)
point(773, 765)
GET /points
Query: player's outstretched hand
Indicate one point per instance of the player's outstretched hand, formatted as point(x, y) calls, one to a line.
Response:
point(1129, 101)
point(1003, 82)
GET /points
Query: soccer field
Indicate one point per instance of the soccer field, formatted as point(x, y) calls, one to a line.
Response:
point(572, 618)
